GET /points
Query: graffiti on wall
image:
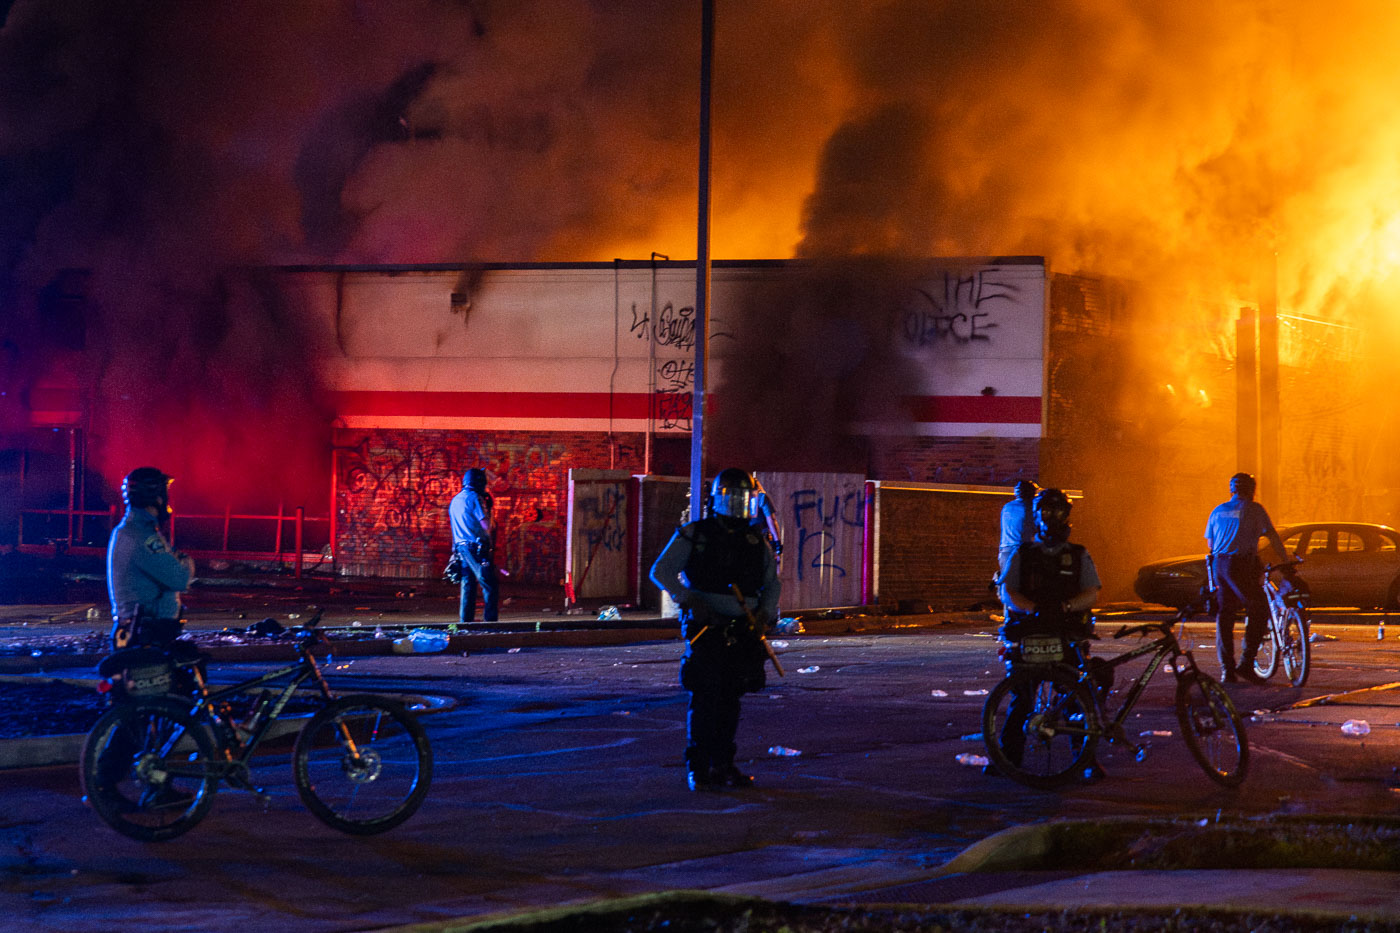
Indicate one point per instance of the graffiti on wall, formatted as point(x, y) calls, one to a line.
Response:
point(673, 330)
point(822, 520)
point(393, 488)
point(960, 307)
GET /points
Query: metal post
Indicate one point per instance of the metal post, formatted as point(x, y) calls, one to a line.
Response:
point(1246, 394)
point(301, 518)
point(1269, 420)
point(702, 267)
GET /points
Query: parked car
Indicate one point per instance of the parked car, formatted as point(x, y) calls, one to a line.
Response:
point(1344, 564)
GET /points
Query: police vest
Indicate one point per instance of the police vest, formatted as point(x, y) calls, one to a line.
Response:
point(1051, 577)
point(721, 555)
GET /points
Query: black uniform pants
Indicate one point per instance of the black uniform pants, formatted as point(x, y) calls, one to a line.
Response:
point(718, 668)
point(476, 574)
point(1238, 583)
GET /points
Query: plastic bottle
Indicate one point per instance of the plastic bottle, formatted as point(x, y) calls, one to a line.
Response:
point(788, 626)
point(1380, 630)
point(1356, 727)
point(973, 761)
point(782, 751)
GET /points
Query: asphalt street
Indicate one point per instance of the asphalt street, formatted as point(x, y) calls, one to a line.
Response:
point(558, 778)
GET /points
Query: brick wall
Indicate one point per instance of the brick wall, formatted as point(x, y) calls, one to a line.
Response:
point(936, 546)
point(393, 487)
point(989, 461)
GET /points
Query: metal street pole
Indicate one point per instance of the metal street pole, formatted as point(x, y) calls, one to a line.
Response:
point(702, 268)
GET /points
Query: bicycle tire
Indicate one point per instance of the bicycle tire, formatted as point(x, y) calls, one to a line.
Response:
point(148, 769)
point(376, 785)
point(1266, 661)
point(1212, 728)
point(1059, 733)
point(1296, 650)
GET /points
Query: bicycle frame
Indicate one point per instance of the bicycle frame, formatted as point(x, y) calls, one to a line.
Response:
point(1160, 649)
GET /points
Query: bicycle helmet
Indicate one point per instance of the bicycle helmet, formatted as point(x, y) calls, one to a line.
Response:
point(144, 487)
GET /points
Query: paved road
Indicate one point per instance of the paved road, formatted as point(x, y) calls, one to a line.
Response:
point(559, 779)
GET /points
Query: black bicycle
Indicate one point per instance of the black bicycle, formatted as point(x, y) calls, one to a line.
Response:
point(151, 764)
point(1042, 722)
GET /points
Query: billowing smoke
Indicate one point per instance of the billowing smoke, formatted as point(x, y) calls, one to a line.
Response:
point(169, 147)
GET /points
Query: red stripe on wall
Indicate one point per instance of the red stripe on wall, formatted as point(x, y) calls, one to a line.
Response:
point(985, 409)
point(964, 409)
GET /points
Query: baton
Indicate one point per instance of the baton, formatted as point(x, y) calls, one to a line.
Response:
point(772, 655)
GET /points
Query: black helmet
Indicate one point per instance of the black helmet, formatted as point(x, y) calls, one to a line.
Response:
point(1243, 484)
point(1024, 489)
point(475, 478)
point(733, 494)
point(1051, 508)
point(145, 487)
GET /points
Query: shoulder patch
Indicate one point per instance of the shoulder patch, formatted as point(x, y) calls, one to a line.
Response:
point(156, 545)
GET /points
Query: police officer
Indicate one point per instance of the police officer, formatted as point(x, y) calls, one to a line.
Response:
point(144, 576)
point(473, 540)
point(1017, 523)
point(1048, 588)
point(725, 654)
point(1233, 532)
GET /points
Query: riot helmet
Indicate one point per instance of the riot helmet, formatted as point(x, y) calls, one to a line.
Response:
point(145, 487)
point(733, 493)
point(1025, 489)
point(1242, 485)
point(1051, 509)
point(475, 479)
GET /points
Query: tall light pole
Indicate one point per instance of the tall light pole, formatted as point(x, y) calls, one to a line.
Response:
point(702, 267)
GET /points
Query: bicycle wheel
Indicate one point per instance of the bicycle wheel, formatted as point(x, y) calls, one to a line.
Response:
point(362, 764)
point(1212, 728)
point(1266, 661)
point(1039, 726)
point(149, 769)
point(1296, 651)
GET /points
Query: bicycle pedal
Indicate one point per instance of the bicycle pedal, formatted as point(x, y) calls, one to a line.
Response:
point(1140, 752)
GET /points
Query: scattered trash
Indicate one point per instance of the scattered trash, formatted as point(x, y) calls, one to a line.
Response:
point(420, 641)
point(512, 651)
point(1321, 636)
point(973, 761)
point(788, 626)
point(779, 644)
point(267, 628)
point(972, 737)
point(1380, 630)
point(974, 693)
point(36, 653)
point(452, 628)
point(808, 670)
point(355, 624)
point(622, 712)
point(294, 615)
point(940, 693)
point(1169, 668)
point(609, 614)
point(782, 751)
point(1356, 727)
point(1157, 733)
point(379, 631)
point(93, 614)
point(1203, 821)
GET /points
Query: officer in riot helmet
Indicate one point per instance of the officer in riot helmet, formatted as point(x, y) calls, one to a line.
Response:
point(144, 576)
point(1049, 586)
point(702, 566)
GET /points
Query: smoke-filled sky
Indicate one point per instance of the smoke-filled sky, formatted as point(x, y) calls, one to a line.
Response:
point(166, 145)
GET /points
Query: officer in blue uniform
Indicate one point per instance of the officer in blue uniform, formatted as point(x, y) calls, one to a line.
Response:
point(1233, 532)
point(144, 576)
point(1017, 523)
point(725, 655)
point(473, 540)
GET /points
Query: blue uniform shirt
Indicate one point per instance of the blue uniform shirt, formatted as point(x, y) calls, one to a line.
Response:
point(1236, 526)
point(469, 518)
point(144, 577)
point(1017, 524)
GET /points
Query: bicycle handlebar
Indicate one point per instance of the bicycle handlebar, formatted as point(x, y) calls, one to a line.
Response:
point(1283, 565)
point(1163, 628)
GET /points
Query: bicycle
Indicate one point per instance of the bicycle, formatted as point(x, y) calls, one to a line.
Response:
point(1066, 714)
point(1286, 643)
point(151, 764)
